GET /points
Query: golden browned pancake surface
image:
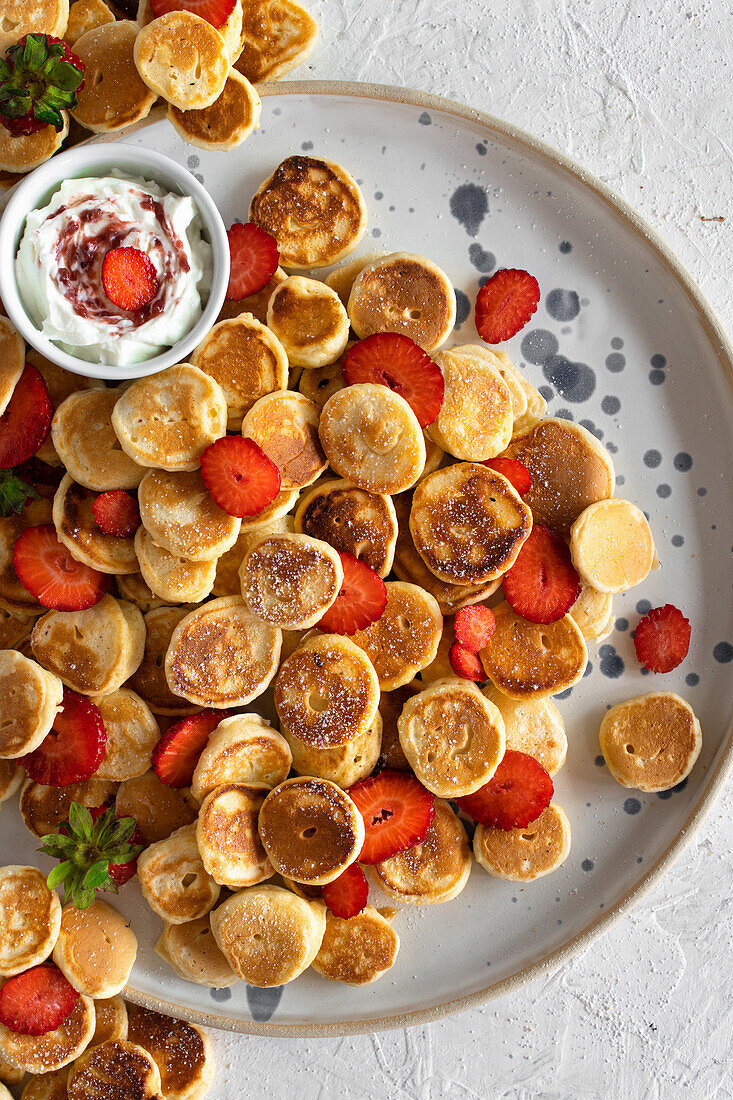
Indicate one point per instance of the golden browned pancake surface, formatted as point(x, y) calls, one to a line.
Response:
point(526, 659)
point(277, 35)
point(651, 742)
point(113, 95)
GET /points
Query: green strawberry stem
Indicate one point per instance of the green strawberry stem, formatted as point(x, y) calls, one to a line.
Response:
point(39, 78)
point(14, 492)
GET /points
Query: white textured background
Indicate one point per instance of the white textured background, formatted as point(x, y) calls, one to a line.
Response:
point(639, 93)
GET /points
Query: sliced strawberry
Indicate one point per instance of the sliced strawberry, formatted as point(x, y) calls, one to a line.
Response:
point(241, 478)
point(129, 278)
point(116, 513)
point(347, 895)
point(26, 421)
point(543, 584)
point(177, 753)
point(465, 663)
point(215, 12)
point(36, 1001)
point(390, 359)
point(505, 303)
point(473, 627)
point(48, 571)
point(254, 258)
point(121, 872)
point(662, 638)
point(74, 748)
point(516, 474)
point(361, 600)
point(397, 812)
point(517, 793)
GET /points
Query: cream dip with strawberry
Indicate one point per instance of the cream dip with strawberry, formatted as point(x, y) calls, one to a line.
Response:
point(114, 270)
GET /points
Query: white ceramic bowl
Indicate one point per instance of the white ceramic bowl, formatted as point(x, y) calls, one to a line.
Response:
point(97, 160)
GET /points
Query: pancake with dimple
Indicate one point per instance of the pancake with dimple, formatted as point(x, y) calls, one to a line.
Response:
point(96, 949)
point(291, 580)
point(405, 638)
point(149, 680)
point(83, 435)
point(227, 837)
point(320, 383)
point(191, 950)
point(226, 581)
point(476, 417)
point(358, 950)
point(178, 512)
point(242, 749)
point(30, 918)
point(31, 699)
point(24, 152)
point(86, 15)
point(527, 660)
point(182, 1052)
point(158, 809)
point(404, 293)
point(113, 96)
point(173, 879)
point(226, 123)
point(230, 30)
point(277, 36)
point(44, 808)
point(309, 320)
point(12, 360)
point(132, 734)
point(85, 540)
point(612, 545)
point(433, 871)
point(115, 1067)
point(523, 855)
point(22, 17)
point(651, 743)
point(533, 726)
point(45, 1053)
point(182, 58)
point(344, 764)
point(171, 576)
point(285, 426)
point(352, 520)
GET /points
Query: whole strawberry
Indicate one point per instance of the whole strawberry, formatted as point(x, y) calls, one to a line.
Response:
point(39, 78)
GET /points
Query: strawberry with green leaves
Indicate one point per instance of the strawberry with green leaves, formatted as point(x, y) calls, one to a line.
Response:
point(39, 78)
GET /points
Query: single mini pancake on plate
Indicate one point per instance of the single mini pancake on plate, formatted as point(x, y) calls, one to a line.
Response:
point(476, 417)
point(651, 742)
point(285, 426)
point(116, 1066)
point(158, 809)
point(533, 726)
point(31, 700)
point(191, 950)
point(522, 855)
point(96, 949)
point(612, 545)
point(433, 871)
point(352, 520)
point(79, 532)
point(132, 734)
point(171, 576)
point(173, 879)
point(46, 1053)
point(24, 152)
point(405, 638)
point(242, 749)
point(149, 680)
point(527, 660)
point(182, 58)
point(404, 293)
point(83, 435)
point(227, 837)
point(291, 580)
point(309, 320)
point(277, 35)
point(113, 95)
point(230, 30)
point(358, 950)
point(30, 918)
point(227, 122)
point(178, 512)
point(22, 17)
point(182, 1052)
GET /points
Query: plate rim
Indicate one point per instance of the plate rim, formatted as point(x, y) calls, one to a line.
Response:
point(718, 774)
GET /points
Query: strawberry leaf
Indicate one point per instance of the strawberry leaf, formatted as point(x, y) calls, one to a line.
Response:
point(14, 492)
point(59, 874)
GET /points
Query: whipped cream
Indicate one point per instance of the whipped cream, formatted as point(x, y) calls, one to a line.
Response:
point(59, 267)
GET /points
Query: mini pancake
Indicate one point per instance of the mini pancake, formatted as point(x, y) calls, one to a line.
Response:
point(227, 837)
point(440, 668)
point(30, 918)
point(309, 320)
point(243, 749)
point(111, 1020)
point(372, 437)
point(12, 360)
point(593, 612)
point(651, 742)
point(404, 293)
point(269, 935)
point(277, 36)
point(514, 381)
point(83, 435)
point(25, 152)
point(285, 426)
point(433, 871)
point(533, 726)
point(522, 855)
point(191, 950)
point(320, 383)
point(290, 580)
point(172, 577)
point(12, 775)
point(390, 709)
point(283, 503)
point(59, 383)
point(44, 808)
point(405, 638)
point(230, 30)
point(569, 470)
point(113, 96)
point(468, 523)
point(246, 359)
point(46, 1053)
point(86, 15)
point(221, 656)
point(342, 278)
point(343, 765)
point(359, 950)
point(96, 949)
point(115, 1067)
point(227, 122)
point(31, 700)
point(256, 303)
point(132, 734)
point(85, 540)
point(178, 512)
point(435, 457)
point(327, 692)
point(22, 17)
point(452, 736)
point(311, 830)
point(159, 810)
point(226, 581)
point(182, 58)
point(173, 879)
point(13, 596)
point(134, 589)
point(528, 660)
point(182, 1052)
point(168, 419)
point(12, 1076)
point(612, 546)
point(92, 651)
point(14, 628)
point(476, 417)
point(149, 680)
point(352, 520)
point(313, 208)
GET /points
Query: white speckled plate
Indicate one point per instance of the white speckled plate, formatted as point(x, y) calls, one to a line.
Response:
point(623, 343)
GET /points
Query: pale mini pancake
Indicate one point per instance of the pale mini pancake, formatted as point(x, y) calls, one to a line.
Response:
point(468, 523)
point(180, 515)
point(96, 949)
point(268, 934)
point(182, 58)
point(343, 765)
point(651, 742)
point(149, 680)
point(536, 411)
point(476, 417)
point(15, 628)
point(22, 17)
point(405, 639)
point(113, 96)
point(79, 532)
point(117, 1067)
point(191, 950)
point(359, 950)
point(290, 580)
point(172, 577)
point(59, 383)
point(13, 596)
point(515, 382)
point(92, 651)
point(169, 419)
point(243, 749)
point(256, 303)
point(309, 320)
point(404, 293)
point(372, 437)
point(12, 360)
point(283, 503)
point(227, 122)
point(390, 708)
point(523, 855)
point(227, 837)
point(111, 1020)
point(12, 775)
point(311, 830)
point(46, 1053)
point(246, 359)
point(83, 435)
point(435, 457)
point(44, 808)
point(158, 809)
point(342, 278)
point(86, 15)
point(326, 692)
point(30, 918)
point(285, 426)
point(612, 546)
point(31, 700)
point(314, 210)
point(569, 468)
point(173, 879)
point(593, 612)
point(220, 655)
point(277, 36)
point(533, 726)
point(25, 152)
point(230, 30)
point(528, 660)
point(320, 383)
point(226, 581)
point(433, 871)
point(181, 1051)
point(133, 588)
point(132, 734)
point(352, 520)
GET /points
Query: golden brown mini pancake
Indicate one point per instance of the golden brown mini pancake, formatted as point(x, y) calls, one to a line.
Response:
point(25, 152)
point(227, 837)
point(86, 15)
point(96, 949)
point(309, 320)
point(113, 95)
point(277, 35)
point(290, 580)
point(132, 734)
point(12, 360)
point(242, 749)
point(612, 545)
point(533, 726)
point(13, 596)
point(59, 383)
point(46, 1053)
point(182, 1052)
point(178, 512)
point(522, 855)
point(118, 1066)
point(133, 588)
point(285, 426)
point(433, 871)
point(111, 1020)
point(44, 808)
point(256, 303)
point(527, 660)
point(476, 417)
point(158, 809)
point(342, 278)
point(651, 742)
point(30, 918)
point(352, 520)
point(405, 638)
point(49, 1086)
point(12, 775)
point(149, 680)
point(191, 950)
point(230, 30)
point(404, 293)
point(83, 435)
point(22, 17)
point(344, 764)
point(80, 533)
point(359, 950)
point(226, 123)
point(31, 699)
point(182, 58)
point(172, 577)
point(173, 879)
point(226, 581)
point(390, 709)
